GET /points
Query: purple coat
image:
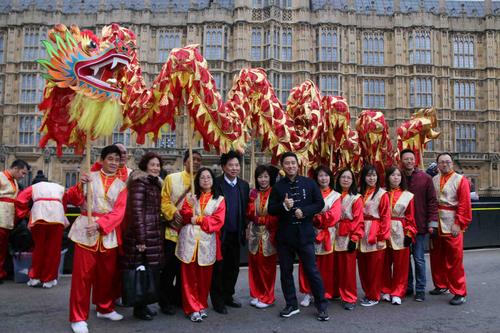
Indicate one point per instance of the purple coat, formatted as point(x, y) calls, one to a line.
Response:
point(425, 202)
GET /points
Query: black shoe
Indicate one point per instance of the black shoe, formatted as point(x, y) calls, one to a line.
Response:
point(233, 303)
point(420, 296)
point(289, 311)
point(323, 316)
point(168, 310)
point(438, 291)
point(142, 314)
point(150, 311)
point(458, 300)
point(349, 306)
point(221, 309)
point(1, 281)
point(409, 292)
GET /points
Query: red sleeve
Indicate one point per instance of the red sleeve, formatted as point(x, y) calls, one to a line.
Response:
point(23, 202)
point(113, 219)
point(213, 223)
point(330, 217)
point(464, 208)
point(96, 167)
point(358, 223)
point(75, 196)
point(410, 226)
point(251, 207)
point(186, 212)
point(384, 229)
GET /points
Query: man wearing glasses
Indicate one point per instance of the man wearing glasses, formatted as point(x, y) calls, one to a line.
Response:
point(455, 215)
point(295, 200)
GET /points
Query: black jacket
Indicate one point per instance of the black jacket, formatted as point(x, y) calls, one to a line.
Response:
point(244, 197)
point(307, 197)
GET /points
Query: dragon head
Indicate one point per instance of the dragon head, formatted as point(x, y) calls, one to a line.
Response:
point(81, 61)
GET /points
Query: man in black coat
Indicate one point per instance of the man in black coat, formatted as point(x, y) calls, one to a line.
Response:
point(295, 200)
point(236, 193)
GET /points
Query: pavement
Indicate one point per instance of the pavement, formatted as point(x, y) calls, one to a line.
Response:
point(26, 310)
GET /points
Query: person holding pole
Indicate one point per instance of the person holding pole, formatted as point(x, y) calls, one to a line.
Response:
point(96, 240)
point(175, 188)
point(8, 192)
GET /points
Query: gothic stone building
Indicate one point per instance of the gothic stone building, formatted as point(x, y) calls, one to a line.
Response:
point(392, 55)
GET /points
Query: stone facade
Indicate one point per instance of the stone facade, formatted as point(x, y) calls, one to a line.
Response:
point(387, 55)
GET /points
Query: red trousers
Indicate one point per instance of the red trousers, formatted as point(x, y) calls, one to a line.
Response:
point(196, 283)
point(395, 276)
point(262, 277)
point(345, 276)
point(447, 264)
point(47, 239)
point(96, 271)
point(371, 268)
point(325, 267)
point(4, 246)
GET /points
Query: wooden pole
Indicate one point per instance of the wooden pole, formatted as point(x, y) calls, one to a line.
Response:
point(252, 164)
point(190, 143)
point(89, 186)
point(331, 158)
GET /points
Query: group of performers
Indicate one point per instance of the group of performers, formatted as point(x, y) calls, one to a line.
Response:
point(366, 227)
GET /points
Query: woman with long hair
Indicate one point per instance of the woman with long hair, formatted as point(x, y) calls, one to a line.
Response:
point(261, 235)
point(350, 230)
point(377, 219)
point(198, 245)
point(403, 230)
point(142, 232)
point(324, 227)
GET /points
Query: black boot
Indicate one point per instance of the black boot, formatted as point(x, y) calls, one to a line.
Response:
point(140, 312)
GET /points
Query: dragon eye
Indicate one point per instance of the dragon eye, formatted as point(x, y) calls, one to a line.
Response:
point(92, 44)
point(124, 48)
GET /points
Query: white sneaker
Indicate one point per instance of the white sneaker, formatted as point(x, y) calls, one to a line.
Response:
point(254, 301)
point(80, 327)
point(49, 284)
point(262, 305)
point(396, 300)
point(386, 297)
point(195, 317)
point(34, 283)
point(306, 301)
point(203, 313)
point(367, 302)
point(113, 316)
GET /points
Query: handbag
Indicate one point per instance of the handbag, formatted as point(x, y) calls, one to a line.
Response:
point(140, 287)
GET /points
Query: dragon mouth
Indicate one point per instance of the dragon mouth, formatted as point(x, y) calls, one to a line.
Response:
point(104, 71)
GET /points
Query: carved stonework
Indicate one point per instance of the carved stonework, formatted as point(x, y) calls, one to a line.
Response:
point(47, 154)
point(138, 153)
point(3, 153)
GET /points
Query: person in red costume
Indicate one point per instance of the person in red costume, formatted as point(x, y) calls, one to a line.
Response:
point(403, 231)
point(8, 192)
point(261, 235)
point(350, 230)
point(198, 245)
point(123, 171)
point(324, 228)
point(45, 202)
point(377, 219)
point(97, 241)
point(447, 242)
